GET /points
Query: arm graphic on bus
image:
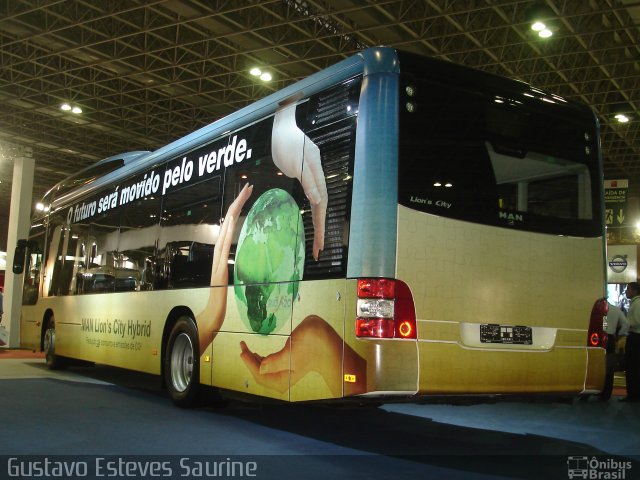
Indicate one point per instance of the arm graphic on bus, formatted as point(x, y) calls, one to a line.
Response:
point(211, 319)
point(313, 346)
point(298, 157)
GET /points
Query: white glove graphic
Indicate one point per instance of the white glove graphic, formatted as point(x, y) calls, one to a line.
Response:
point(298, 157)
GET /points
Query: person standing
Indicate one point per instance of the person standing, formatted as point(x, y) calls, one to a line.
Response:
point(632, 351)
point(617, 327)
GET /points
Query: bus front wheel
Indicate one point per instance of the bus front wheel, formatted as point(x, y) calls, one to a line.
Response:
point(181, 363)
point(54, 362)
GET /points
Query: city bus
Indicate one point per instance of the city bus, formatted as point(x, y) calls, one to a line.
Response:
point(391, 227)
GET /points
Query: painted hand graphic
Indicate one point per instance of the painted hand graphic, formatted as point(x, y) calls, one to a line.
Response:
point(312, 346)
point(210, 321)
point(298, 157)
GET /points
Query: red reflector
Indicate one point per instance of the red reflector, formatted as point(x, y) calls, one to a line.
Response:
point(375, 327)
point(376, 288)
point(405, 329)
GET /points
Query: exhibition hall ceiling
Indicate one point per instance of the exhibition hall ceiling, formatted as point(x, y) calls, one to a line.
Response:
point(146, 72)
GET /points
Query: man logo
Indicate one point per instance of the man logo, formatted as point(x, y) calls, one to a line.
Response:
point(511, 218)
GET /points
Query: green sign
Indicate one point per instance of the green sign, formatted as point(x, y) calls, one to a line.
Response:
point(615, 202)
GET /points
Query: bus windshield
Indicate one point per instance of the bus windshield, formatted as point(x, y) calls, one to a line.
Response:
point(497, 152)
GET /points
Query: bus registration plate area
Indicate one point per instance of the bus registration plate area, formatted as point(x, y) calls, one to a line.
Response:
point(506, 334)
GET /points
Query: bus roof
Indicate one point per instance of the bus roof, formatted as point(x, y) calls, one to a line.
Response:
point(372, 60)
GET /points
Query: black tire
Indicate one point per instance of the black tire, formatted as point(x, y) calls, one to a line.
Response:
point(182, 363)
point(53, 361)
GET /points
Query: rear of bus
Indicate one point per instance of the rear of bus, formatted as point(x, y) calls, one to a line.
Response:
point(499, 271)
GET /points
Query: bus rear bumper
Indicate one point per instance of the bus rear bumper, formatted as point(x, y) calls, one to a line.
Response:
point(596, 370)
point(447, 368)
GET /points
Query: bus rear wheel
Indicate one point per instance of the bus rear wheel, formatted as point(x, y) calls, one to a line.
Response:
point(53, 361)
point(182, 363)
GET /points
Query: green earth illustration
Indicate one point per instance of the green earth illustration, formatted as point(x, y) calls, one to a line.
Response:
point(269, 261)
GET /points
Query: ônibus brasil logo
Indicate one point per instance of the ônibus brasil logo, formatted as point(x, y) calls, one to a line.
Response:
point(595, 468)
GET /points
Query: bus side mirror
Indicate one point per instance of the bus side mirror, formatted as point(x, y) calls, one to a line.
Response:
point(19, 257)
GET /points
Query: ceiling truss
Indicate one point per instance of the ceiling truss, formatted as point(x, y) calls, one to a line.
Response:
point(148, 72)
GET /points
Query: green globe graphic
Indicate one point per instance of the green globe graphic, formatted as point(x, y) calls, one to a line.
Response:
point(269, 261)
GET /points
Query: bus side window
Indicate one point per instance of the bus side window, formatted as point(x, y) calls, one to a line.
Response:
point(55, 242)
point(190, 226)
point(99, 275)
point(68, 262)
point(74, 264)
point(30, 290)
point(139, 231)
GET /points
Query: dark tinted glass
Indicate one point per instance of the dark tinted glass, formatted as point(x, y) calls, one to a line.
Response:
point(488, 150)
point(33, 265)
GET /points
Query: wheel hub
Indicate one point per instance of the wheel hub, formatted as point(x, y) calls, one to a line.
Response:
point(181, 362)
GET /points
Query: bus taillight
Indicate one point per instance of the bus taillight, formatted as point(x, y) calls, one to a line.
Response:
point(597, 336)
point(376, 288)
point(385, 309)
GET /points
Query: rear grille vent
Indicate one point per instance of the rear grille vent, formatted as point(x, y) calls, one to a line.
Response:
point(337, 144)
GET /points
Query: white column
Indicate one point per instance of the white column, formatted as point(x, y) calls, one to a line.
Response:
point(19, 223)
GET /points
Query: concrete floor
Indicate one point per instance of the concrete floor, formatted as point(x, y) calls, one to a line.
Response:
point(92, 413)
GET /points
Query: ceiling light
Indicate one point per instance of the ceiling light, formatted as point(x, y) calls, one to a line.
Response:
point(538, 26)
point(622, 118)
point(70, 108)
point(265, 77)
point(540, 17)
point(255, 71)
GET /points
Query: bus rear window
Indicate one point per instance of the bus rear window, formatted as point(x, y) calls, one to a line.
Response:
point(500, 160)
